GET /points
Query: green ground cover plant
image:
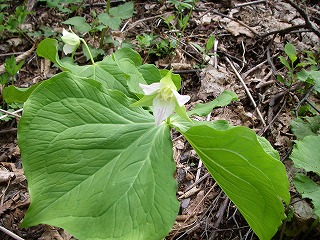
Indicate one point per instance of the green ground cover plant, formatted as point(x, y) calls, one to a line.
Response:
point(305, 156)
point(97, 152)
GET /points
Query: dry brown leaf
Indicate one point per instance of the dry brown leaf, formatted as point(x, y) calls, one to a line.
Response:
point(236, 29)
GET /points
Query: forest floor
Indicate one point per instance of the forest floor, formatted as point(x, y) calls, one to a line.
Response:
point(249, 38)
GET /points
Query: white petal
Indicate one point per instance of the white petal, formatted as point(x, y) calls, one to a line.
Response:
point(162, 109)
point(68, 48)
point(150, 89)
point(65, 32)
point(181, 99)
point(70, 37)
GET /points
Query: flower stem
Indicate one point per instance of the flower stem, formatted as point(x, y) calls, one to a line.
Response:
point(85, 44)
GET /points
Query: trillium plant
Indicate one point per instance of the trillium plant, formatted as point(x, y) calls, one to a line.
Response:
point(97, 153)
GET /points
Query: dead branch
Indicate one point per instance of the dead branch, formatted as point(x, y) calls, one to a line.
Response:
point(308, 23)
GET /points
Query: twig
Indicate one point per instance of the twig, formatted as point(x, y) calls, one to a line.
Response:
point(8, 130)
point(186, 71)
point(197, 182)
point(9, 54)
point(311, 105)
point(247, 90)
point(269, 59)
point(220, 216)
point(303, 14)
point(10, 113)
point(215, 58)
point(249, 3)
point(296, 109)
point(194, 210)
point(262, 131)
point(243, 55)
point(11, 234)
point(244, 75)
point(142, 20)
point(283, 31)
point(230, 56)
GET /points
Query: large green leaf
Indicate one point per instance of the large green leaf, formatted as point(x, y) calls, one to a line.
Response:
point(79, 24)
point(115, 72)
point(308, 189)
point(254, 180)
point(48, 48)
point(96, 166)
point(291, 51)
point(128, 53)
point(150, 73)
point(306, 154)
point(106, 72)
point(109, 20)
point(123, 11)
point(307, 126)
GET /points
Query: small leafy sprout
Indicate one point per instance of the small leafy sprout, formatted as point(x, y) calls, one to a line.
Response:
point(205, 51)
point(12, 68)
point(165, 99)
point(297, 67)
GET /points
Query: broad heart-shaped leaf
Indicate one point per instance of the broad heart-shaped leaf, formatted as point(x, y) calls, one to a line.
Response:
point(48, 48)
point(96, 166)
point(306, 154)
point(128, 53)
point(123, 11)
point(79, 24)
point(308, 189)
point(111, 21)
point(255, 181)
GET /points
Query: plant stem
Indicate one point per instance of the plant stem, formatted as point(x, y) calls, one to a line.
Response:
point(85, 44)
point(103, 33)
point(108, 6)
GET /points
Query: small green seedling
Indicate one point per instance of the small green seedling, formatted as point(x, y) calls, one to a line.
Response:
point(64, 6)
point(180, 8)
point(12, 68)
point(11, 23)
point(297, 68)
point(205, 51)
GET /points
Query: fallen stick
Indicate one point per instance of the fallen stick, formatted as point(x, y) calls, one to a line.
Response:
point(247, 90)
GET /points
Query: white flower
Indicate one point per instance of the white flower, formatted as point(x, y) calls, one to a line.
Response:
point(71, 41)
point(165, 98)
